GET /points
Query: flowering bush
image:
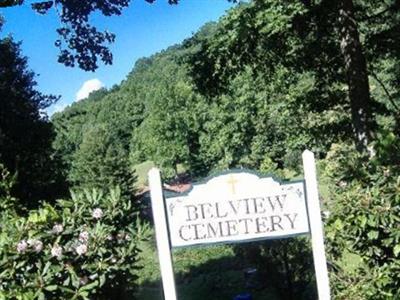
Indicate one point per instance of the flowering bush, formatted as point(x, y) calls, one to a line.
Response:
point(82, 248)
point(363, 231)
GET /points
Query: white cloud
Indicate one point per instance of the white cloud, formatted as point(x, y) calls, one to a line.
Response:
point(88, 87)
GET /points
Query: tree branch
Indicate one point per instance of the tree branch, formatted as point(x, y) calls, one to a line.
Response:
point(386, 91)
point(8, 3)
point(395, 5)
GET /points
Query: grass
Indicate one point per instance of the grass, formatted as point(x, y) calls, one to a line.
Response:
point(141, 171)
point(143, 168)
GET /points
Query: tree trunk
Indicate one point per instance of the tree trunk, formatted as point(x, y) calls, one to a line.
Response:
point(357, 76)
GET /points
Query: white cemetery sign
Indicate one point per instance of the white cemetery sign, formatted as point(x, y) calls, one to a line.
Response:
point(239, 206)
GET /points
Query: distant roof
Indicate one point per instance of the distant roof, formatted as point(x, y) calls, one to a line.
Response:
point(178, 188)
point(171, 188)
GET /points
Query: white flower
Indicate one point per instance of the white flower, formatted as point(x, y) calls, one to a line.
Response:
point(97, 213)
point(120, 236)
point(326, 214)
point(56, 251)
point(84, 236)
point(22, 246)
point(93, 277)
point(57, 228)
point(81, 249)
point(342, 184)
point(37, 246)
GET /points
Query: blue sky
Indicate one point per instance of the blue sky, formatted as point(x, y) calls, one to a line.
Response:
point(142, 30)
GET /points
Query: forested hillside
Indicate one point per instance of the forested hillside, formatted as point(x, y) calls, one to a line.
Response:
point(253, 90)
point(207, 104)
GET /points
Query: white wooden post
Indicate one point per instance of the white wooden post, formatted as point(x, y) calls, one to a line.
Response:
point(163, 244)
point(314, 214)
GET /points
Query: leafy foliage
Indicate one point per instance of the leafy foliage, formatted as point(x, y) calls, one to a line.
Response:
point(305, 37)
point(364, 221)
point(81, 248)
point(101, 161)
point(8, 202)
point(254, 90)
point(81, 43)
point(167, 133)
point(25, 133)
point(158, 115)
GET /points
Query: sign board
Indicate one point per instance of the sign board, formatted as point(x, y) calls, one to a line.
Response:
point(237, 206)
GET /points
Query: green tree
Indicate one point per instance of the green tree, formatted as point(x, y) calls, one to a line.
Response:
point(25, 133)
point(335, 40)
point(158, 115)
point(167, 133)
point(101, 162)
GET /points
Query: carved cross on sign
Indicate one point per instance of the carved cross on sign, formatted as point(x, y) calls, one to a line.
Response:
point(232, 181)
